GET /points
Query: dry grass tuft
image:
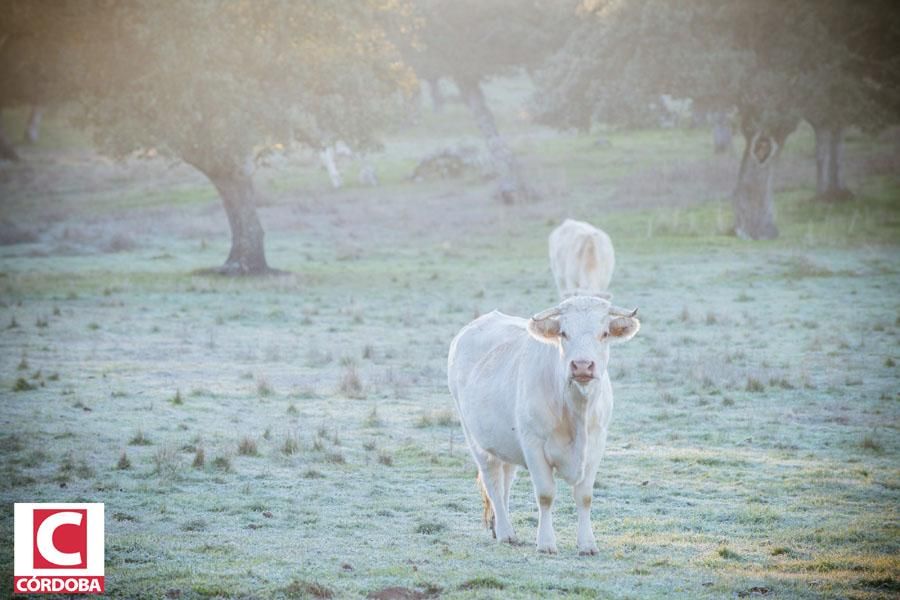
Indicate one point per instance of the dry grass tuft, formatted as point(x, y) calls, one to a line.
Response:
point(124, 463)
point(727, 554)
point(351, 385)
point(247, 447)
point(199, 458)
point(291, 445)
point(194, 525)
point(139, 439)
point(223, 463)
point(166, 462)
point(312, 474)
point(754, 385)
point(373, 419)
point(443, 418)
point(484, 582)
point(336, 458)
point(264, 389)
point(297, 589)
point(22, 385)
point(869, 442)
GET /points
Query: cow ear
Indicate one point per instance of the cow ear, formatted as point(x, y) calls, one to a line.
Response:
point(544, 330)
point(622, 329)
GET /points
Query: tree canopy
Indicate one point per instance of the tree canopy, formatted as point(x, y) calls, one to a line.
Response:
point(776, 61)
point(625, 54)
point(473, 40)
point(470, 41)
point(212, 83)
point(35, 64)
point(207, 79)
point(852, 77)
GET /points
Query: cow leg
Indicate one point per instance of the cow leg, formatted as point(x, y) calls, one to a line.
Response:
point(493, 478)
point(544, 492)
point(509, 475)
point(583, 493)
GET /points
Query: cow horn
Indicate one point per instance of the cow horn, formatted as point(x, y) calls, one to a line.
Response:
point(546, 314)
point(622, 312)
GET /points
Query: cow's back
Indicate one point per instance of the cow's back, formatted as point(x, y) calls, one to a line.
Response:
point(482, 372)
point(582, 258)
point(484, 348)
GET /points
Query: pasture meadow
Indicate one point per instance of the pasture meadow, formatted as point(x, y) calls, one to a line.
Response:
point(293, 437)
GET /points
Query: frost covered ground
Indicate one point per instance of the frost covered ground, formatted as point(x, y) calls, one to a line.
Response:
point(293, 436)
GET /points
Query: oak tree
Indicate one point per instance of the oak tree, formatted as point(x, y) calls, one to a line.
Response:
point(767, 58)
point(215, 83)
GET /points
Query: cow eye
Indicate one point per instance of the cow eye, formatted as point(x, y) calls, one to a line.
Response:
point(604, 335)
point(563, 335)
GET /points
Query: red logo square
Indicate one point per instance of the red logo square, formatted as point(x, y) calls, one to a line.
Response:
point(60, 538)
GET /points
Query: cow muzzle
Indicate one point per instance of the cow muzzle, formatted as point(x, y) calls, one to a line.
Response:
point(582, 371)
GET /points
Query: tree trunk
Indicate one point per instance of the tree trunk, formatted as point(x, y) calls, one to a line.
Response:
point(33, 129)
point(512, 185)
point(235, 186)
point(830, 185)
point(7, 151)
point(754, 213)
point(835, 171)
point(722, 132)
point(823, 149)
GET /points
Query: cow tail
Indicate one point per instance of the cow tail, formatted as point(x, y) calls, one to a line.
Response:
point(487, 515)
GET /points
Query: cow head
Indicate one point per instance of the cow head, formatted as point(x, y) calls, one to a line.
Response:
point(582, 328)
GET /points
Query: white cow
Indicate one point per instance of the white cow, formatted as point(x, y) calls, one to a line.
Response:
point(581, 258)
point(327, 156)
point(535, 393)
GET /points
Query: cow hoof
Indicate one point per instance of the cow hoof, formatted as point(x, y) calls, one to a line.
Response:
point(589, 551)
point(509, 539)
point(547, 549)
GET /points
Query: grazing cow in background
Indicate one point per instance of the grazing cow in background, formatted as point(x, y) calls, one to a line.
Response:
point(581, 258)
point(535, 393)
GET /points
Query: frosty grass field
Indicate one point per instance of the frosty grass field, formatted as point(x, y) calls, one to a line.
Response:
point(293, 436)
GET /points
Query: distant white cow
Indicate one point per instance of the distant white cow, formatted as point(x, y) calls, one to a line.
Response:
point(327, 155)
point(581, 258)
point(535, 393)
